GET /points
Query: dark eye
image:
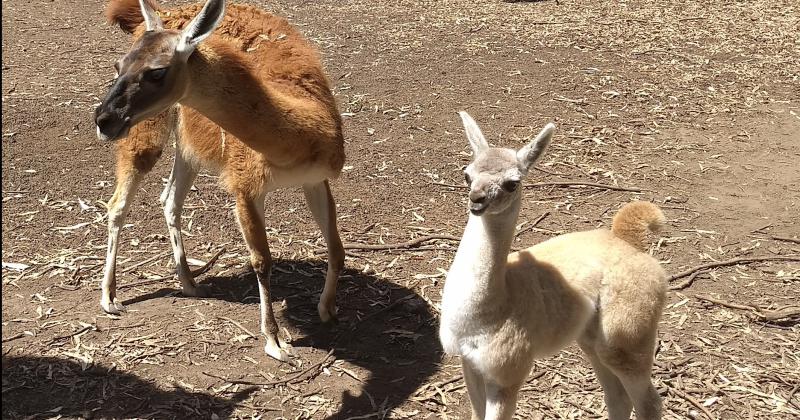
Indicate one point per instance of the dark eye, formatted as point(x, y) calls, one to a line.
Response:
point(467, 178)
point(510, 186)
point(155, 75)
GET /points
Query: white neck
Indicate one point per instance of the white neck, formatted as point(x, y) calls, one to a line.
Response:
point(479, 266)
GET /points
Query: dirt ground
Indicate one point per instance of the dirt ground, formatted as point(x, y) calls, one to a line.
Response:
point(692, 105)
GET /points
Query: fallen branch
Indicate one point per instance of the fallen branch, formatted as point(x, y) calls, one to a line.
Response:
point(196, 272)
point(437, 385)
point(149, 260)
point(764, 315)
point(15, 337)
point(241, 327)
point(693, 401)
point(533, 225)
point(280, 381)
point(785, 239)
point(400, 245)
point(80, 331)
point(735, 261)
point(688, 282)
point(382, 310)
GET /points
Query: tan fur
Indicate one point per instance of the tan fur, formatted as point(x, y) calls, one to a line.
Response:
point(257, 77)
point(502, 311)
point(633, 222)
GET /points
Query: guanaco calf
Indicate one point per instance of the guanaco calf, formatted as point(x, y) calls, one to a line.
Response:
point(244, 94)
point(501, 311)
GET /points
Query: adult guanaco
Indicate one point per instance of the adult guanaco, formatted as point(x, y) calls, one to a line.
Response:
point(244, 94)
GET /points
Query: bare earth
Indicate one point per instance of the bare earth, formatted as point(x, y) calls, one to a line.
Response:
point(694, 106)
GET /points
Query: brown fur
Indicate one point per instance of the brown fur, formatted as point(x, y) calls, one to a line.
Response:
point(292, 70)
point(257, 77)
point(126, 14)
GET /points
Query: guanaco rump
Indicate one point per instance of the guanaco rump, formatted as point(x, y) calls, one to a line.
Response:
point(501, 311)
point(244, 94)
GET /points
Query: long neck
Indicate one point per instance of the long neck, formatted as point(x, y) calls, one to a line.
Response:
point(226, 88)
point(482, 254)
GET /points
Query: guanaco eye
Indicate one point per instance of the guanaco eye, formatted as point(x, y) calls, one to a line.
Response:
point(510, 186)
point(467, 178)
point(155, 75)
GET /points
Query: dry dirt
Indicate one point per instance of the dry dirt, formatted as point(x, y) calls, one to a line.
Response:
point(695, 105)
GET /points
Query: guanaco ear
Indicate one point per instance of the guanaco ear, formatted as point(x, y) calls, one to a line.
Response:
point(529, 154)
point(201, 26)
point(151, 19)
point(476, 139)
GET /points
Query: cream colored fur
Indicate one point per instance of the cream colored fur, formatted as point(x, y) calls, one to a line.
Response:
point(501, 311)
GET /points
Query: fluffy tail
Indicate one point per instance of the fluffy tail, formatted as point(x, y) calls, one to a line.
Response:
point(635, 220)
point(126, 13)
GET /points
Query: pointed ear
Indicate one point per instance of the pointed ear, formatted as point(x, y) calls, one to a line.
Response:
point(151, 19)
point(529, 154)
point(474, 135)
point(201, 26)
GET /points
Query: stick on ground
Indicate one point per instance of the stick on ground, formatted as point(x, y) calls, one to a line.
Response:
point(735, 261)
point(279, 381)
point(765, 315)
point(399, 245)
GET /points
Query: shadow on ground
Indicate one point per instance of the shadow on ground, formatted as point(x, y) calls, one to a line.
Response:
point(35, 387)
point(384, 328)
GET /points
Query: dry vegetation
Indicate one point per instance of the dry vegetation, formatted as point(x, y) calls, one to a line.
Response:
point(694, 106)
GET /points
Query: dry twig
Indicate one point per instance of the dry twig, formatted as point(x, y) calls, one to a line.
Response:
point(292, 378)
point(693, 401)
point(734, 261)
point(765, 315)
point(196, 272)
point(400, 245)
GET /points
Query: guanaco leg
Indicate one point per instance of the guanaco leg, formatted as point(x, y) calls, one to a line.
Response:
point(135, 156)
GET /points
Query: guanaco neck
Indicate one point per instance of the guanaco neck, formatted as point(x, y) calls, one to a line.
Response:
point(224, 87)
point(479, 266)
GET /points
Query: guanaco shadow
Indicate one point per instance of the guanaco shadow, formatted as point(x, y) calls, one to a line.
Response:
point(383, 328)
point(37, 387)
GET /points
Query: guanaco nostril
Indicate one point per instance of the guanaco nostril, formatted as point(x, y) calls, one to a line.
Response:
point(102, 119)
point(477, 198)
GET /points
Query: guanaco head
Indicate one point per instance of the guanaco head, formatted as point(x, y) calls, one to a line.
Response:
point(495, 174)
point(153, 75)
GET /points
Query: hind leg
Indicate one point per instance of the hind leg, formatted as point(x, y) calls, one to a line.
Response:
point(250, 214)
point(501, 401)
point(323, 208)
point(617, 401)
point(645, 397)
point(183, 174)
point(631, 361)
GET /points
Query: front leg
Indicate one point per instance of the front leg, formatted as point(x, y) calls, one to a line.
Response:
point(476, 387)
point(128, 180)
